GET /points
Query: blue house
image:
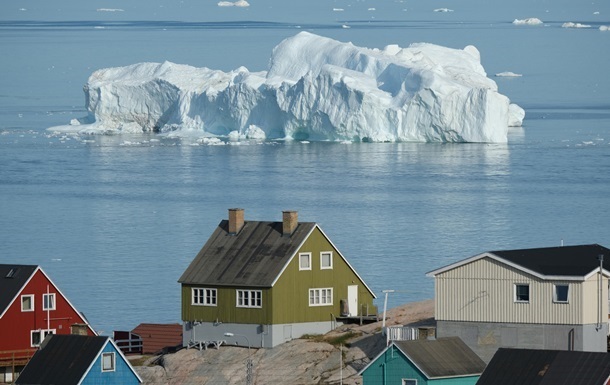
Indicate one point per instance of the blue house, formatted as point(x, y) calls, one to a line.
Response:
point(78, 360)
point(444, 361)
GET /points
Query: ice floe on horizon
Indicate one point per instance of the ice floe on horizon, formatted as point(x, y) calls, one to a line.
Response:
point(316, 89)
point(574, 25)
point(442, 10)
point(239, 3)
point(508, 74)
point(110, 10)
point(528, 21)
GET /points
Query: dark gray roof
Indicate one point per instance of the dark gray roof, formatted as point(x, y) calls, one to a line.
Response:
point(254, 257)
point(560, 261)
point(12, 280)
point(443, 357)
point(64, 359)
point(546, 367)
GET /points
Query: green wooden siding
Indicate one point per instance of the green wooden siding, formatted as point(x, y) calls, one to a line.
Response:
point(226, 309)
point(392, 366)
point(291, 291)
point(288, 300)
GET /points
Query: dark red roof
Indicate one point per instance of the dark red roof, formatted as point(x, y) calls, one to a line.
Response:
point(158, 337)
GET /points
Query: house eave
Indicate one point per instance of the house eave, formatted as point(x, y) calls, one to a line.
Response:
point(495, 257)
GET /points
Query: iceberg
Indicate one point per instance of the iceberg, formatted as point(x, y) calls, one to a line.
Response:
point(315, 89)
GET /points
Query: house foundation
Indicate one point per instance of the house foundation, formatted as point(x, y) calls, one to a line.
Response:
point(484, 338)
point(207, 334)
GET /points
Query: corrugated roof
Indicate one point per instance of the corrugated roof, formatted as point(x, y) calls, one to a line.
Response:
point(443, 357)
point(254, 257)
point(546, 367)
point(577, 260)
point(157, 337)
point(12, 280)
point(64, 359)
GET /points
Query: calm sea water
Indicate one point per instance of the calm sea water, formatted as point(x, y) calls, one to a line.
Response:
point(115, 220)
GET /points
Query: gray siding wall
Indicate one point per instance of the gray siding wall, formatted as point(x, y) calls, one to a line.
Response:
point(256, 336)
point(485, 338)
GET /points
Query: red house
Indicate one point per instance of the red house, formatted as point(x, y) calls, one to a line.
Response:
point(31, 307)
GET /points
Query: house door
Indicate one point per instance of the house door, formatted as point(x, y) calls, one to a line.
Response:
point(352, 300)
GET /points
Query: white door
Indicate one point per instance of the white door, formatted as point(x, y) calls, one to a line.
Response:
point(352, 300)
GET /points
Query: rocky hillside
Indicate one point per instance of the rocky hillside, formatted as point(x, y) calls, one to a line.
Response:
point(330, 359)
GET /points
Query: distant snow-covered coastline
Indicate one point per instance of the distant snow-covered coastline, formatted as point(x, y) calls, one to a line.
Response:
point(315, 88)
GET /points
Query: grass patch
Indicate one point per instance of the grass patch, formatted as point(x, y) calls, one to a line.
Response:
point(139, 361)
point(342, 339)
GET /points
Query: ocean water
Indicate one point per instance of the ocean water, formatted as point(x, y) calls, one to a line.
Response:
point(115, 220)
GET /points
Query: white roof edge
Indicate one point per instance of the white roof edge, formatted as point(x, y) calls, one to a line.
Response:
point(68, 301)
point(125, 359)
point(316, 226)
point(108, 339)
point(346, 261)
point(493, 256)
point(292, 256)
point(38, 268)
point(377, 356)
point(20, 291)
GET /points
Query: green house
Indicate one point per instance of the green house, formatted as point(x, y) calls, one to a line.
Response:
point(265, 283)
point(444, 361)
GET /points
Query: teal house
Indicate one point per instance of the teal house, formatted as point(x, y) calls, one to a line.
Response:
point(446, 361)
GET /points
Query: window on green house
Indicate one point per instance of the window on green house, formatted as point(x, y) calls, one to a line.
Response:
point(249, 298)
point(305, 261)
point(326, 260)
point(204, 297)
point(321, 297)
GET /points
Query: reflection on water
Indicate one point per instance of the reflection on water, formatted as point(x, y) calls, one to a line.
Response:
point(120, 217)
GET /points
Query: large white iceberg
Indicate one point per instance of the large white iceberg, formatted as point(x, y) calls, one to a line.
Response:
point(315, 88)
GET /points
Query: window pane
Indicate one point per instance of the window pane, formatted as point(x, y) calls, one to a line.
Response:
point(48, 301)
point(326, 260)
point(304, 262)
point(35, 338)
point(108, 361)
point(522, 293)
point(561, 293)
point(26, 303)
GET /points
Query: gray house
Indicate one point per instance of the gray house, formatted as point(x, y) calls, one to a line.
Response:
point(545, 298)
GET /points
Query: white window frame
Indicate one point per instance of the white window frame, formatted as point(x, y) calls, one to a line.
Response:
point(330, 266)
point(409, 381)
point(45, 301)
point(32, 305)
point(43, 333)
point(112, 362)
point(204, 296)
point(529, 293)
point(249, 298)
point(304, 255)
point(321, 296)
point(555, 297)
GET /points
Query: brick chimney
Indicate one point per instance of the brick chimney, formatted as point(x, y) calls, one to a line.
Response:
point(236, 220)
point(290, 220)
